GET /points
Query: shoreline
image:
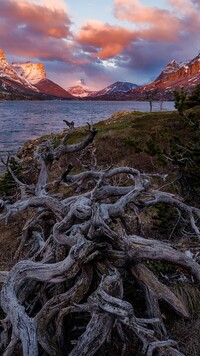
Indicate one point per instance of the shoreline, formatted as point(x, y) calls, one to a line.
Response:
point(23, 120)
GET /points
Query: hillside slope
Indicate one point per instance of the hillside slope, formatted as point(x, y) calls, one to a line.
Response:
point(104, 231)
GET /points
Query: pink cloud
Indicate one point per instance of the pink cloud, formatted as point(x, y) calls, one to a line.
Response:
point(54, 4)
point(155, 36)
point(35, 31)
point(185, 7)
point(154, 23)
point(153, 17)
point(134, 11)
point(105, 41)
point(36, 19)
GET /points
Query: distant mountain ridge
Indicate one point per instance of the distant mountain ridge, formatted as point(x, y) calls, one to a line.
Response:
point(27, 81)
point(114, 90)
point(8, 72)
point(33, 72)
point(79, 91)
point(174, 76)
point(170, 68)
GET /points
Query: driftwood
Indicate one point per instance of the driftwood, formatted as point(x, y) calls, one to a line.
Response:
point(67, 294)
point(3, 275)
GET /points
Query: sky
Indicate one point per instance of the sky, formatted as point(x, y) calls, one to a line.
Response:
point(98, 42)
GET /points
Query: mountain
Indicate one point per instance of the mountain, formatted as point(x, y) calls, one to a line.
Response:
point(48, 87)
point(33, 72)
point(113, 91)
point(79, 91)
point(116, 89)
point(8, 72)
point(174, 76)
point(170, 68)
point(13, 85)
point(36, 75)
point(27, 81)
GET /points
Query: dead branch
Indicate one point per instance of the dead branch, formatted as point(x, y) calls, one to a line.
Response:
point(69, 294)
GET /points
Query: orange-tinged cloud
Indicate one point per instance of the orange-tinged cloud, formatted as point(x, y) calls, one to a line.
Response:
point(41, 30)
point(157, 24)
point(148, 18)
point(185, 7)
point(36, 19)
point(34, 31)
point(135, 11)
point(105, 41)
point(54, 4)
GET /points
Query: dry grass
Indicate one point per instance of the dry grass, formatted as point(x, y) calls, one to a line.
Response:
point(113, 148)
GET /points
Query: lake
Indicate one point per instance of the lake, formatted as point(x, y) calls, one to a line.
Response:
point(24, 120)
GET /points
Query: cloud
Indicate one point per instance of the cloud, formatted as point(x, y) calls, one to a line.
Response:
point(185, 7)
point(196, 2)
point(159, 24)
point(32, 30)
point(81, 82)
point(135, 11)
point(104, 40)
point(135, 48)
point(150, 28)
point(175, 28)
point(154, 23)
point(35, 19)
point(54, 4)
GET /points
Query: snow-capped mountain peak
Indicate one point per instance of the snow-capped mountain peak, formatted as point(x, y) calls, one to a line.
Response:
point(9, 72)
point(27, 80)
point(33, 72)
point(170, 68)
point(79, 91)
point(117, 88)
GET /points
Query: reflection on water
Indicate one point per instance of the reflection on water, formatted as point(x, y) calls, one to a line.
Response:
point(24, 120)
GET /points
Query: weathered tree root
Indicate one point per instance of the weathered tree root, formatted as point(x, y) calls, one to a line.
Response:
point(68, 297)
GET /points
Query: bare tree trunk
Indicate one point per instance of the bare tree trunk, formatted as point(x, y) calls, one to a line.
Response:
point(69, 294)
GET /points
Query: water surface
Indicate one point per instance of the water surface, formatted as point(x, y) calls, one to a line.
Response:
point(24, 120)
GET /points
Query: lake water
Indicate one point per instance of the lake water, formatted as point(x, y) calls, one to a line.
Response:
point(24, 120)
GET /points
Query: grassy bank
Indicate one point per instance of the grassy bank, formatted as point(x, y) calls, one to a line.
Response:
point(161, 142)
point(144, 141)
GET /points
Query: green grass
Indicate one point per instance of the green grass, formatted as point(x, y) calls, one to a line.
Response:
point(138, 139)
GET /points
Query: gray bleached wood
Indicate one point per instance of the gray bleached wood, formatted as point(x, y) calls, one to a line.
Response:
point(69, 295)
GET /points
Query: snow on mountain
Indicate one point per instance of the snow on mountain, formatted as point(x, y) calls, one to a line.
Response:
point(187, 75)
point(33, 72)
point(8, 72)
point(79, 91)
point(171, 67)
point(115, 88)
point(36, 75)
point(29, 79)
point(26, 80)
